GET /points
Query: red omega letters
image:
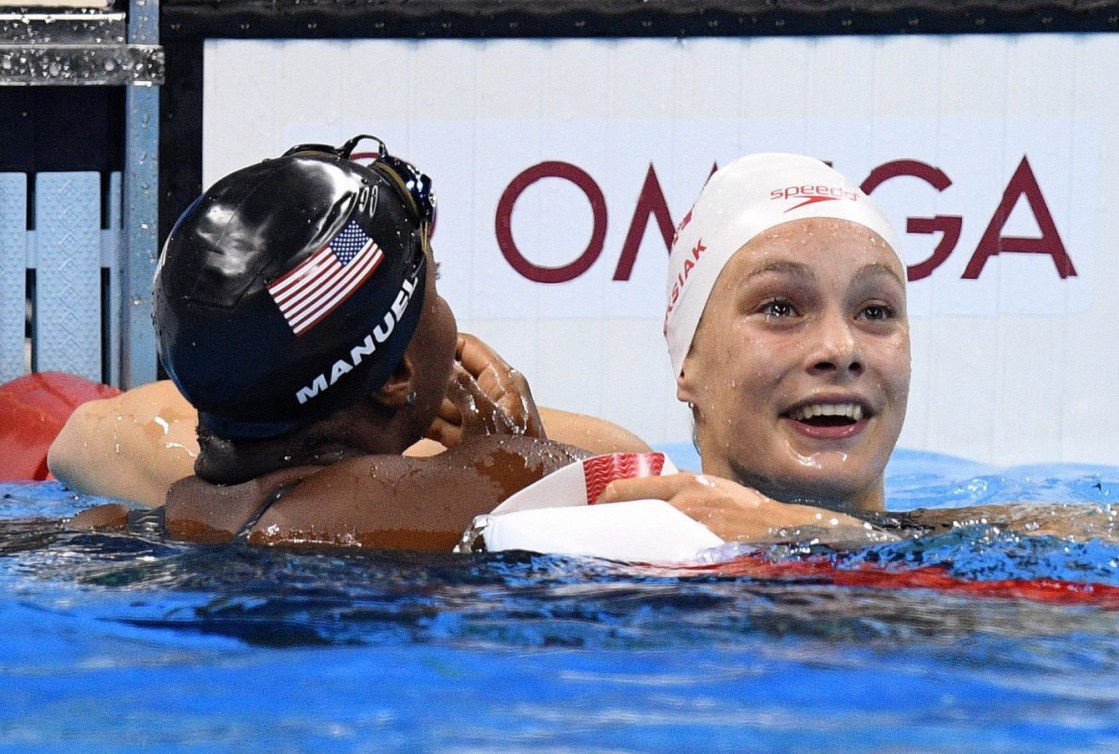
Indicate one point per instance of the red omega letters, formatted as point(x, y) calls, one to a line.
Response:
point(651, 205)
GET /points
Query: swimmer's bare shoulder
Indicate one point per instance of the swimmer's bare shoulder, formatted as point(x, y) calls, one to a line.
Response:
point(381, 501)
point(131, 446)
point(399, 502)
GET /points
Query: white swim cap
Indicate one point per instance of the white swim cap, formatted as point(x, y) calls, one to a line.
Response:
point(748, 197)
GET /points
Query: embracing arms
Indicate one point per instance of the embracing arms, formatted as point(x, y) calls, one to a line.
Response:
point(134, 446)
point(741, 514)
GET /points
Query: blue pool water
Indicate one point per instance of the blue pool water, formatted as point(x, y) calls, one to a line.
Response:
point(117, 643)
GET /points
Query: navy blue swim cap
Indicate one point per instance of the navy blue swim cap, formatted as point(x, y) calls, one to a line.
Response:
point(292, 288)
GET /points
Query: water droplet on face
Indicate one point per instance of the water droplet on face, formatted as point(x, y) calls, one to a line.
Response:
point(810, 462)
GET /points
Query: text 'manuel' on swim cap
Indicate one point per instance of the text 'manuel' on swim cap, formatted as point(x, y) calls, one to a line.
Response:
point(740, 201)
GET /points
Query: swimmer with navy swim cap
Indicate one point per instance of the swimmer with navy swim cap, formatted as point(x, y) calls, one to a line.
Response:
point(296, 308)
point(785, 317)
point(291, 287)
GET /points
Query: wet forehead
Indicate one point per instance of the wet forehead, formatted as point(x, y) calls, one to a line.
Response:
point(817, 247)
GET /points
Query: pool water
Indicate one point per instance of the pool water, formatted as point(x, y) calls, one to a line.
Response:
point(120, 643)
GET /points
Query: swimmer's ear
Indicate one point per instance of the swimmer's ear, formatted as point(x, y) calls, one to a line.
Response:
point(685, 386)
point(394, 393)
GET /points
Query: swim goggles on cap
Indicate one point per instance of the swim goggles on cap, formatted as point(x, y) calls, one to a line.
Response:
point(416, 185)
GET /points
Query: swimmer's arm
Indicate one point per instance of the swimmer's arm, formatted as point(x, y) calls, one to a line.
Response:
point(590, 433)
point(741, 514)
point(135, 445)
point(594, 435)
point(132, 446)
point(388, 502)
point(487, 396)
point(1077, 522)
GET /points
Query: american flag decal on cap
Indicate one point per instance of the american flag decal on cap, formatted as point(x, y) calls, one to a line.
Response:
point(327, 278)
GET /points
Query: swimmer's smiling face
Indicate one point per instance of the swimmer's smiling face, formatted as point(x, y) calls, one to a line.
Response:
point(799, 369)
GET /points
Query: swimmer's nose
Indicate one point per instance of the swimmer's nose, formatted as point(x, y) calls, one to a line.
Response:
point(836, 349)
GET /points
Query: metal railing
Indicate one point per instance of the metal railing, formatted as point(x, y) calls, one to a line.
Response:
point(53, 274)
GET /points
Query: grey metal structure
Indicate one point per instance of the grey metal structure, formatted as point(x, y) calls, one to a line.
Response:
point(101, 47)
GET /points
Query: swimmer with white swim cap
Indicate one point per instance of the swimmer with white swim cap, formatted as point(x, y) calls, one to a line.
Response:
point(296, 308)
point(752, 195)
point(787, 330)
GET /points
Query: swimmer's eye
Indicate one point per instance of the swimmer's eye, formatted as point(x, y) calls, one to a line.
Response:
point(778, 308)
point(877, 312)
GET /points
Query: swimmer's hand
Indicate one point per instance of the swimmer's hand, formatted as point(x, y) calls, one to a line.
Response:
point(485, 396)
point(741, 514)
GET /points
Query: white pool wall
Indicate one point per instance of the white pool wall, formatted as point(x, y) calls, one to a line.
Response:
point(1012, 366)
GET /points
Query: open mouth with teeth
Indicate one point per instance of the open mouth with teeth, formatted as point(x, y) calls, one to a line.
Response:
point(827, 414)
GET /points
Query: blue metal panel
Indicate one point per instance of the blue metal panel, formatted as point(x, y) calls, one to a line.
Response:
point(140, 233)
point(143, 22)
point(111, 245)
point(68, 281)
point(13, 263)
point(140, 250)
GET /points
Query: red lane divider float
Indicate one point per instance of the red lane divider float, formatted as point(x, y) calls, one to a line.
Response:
point(823, 571)
point(33, 409)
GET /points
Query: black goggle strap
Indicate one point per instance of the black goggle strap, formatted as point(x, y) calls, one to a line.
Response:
point(413, 183)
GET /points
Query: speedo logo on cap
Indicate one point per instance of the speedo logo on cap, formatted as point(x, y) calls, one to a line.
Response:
point(812, 194)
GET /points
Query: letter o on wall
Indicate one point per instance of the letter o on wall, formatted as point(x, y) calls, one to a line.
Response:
point(503, 219)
